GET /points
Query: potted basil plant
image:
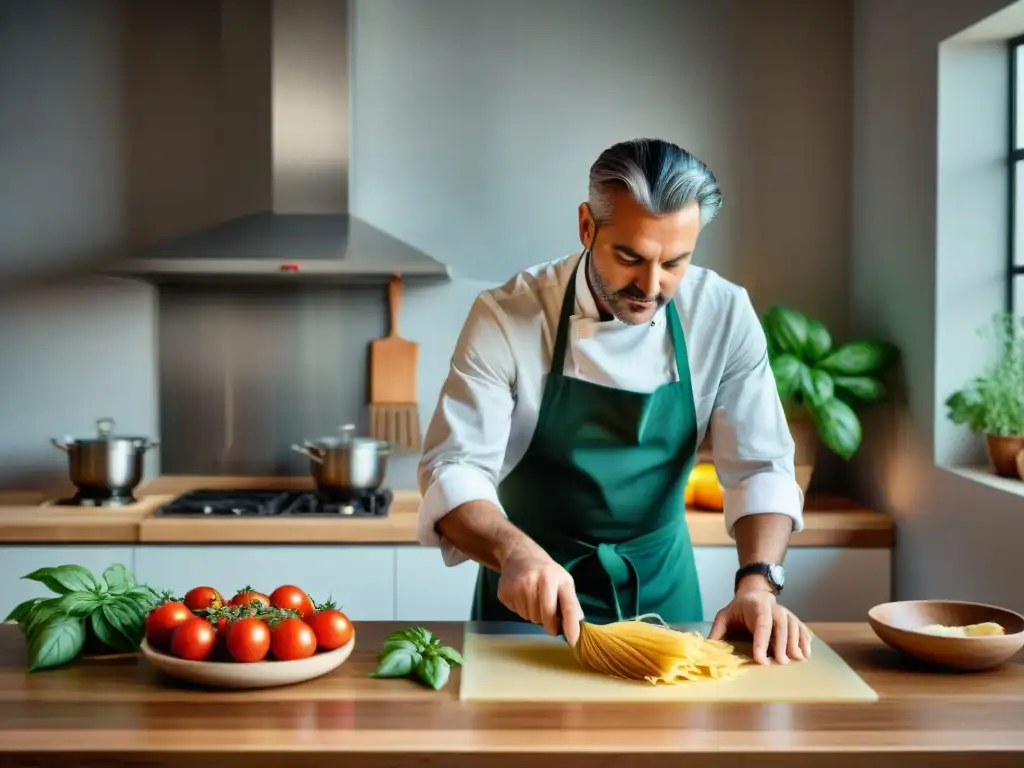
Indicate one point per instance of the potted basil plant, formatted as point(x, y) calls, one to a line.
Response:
point(821, 385)
point(992, 403)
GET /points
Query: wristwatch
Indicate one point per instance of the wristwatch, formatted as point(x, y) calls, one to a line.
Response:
point(774, 573)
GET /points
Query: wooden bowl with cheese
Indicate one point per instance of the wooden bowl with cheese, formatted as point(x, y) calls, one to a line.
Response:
point(954, 634)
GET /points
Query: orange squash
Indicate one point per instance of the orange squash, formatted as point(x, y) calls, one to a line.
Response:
point(703, 489)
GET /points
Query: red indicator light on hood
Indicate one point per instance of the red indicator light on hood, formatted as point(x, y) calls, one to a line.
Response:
point(289, 267)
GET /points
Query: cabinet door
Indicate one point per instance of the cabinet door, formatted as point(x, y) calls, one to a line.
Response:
point(822, 583)
point(428, 590)
point(17, 561)
point(360, 579)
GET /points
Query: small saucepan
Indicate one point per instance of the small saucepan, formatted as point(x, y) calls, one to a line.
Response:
point(348, 464)
point(106, 463)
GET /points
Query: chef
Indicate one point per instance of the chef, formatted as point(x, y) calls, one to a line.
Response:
point(578, 392)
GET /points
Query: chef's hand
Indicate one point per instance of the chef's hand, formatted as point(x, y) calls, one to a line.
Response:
point(756, 609)
point(540, 590)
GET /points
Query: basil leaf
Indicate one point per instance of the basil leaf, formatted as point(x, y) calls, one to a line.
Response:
point(450, 655)
point(398, 663)
point(418, 635)
point(397, 645)
point(109, 633)
point(79, 603)
point(421, 636)
point(434, 671)
point(64, 579)
point(118, 577)
point(21, 610)
point(41, 613)
point(128, 619)
point(57, 642)
point(146, 597)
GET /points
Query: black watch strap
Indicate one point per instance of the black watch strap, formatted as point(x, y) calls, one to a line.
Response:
point(772, 573)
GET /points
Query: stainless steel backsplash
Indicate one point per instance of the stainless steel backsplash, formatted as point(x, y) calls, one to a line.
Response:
point(245, 373)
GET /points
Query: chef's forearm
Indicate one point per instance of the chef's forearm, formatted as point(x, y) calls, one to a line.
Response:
point(762, 538)
point(480, 530)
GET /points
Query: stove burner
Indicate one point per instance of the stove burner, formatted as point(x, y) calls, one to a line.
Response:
point(321, 504)
point(275, 503)
point(98, 497)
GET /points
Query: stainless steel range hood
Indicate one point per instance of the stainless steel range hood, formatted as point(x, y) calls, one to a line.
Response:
point(304, 230)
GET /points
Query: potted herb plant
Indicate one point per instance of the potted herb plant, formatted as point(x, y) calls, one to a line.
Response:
point(821, 384)
point(992, 403)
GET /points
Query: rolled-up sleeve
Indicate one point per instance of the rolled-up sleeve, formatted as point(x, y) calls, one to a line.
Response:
point(752, 446)
point(464, 447)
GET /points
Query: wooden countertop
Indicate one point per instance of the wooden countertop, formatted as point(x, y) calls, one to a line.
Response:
point(113, 710)
point(32, 517)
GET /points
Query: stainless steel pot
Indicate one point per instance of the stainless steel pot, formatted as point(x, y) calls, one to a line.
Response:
point(106, 463)
point(348, 464)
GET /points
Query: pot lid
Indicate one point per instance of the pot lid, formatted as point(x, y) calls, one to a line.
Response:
point(348, 437)
point(104, 434)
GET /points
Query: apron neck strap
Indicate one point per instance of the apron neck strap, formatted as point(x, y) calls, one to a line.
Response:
point(569, 302)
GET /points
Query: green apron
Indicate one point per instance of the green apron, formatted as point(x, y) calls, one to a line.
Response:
point(601, 489)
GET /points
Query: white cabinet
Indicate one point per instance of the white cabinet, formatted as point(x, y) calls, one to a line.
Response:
point(410, 583)
point(360, 579)
point(428, 590)
point(822, 583)
point(17, 561)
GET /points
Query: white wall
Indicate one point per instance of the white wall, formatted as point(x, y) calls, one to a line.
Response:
point(72, 349)
point(955, 537)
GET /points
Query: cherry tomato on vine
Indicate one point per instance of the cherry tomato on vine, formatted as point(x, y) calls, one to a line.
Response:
point(331, 627)
point(163, 620)
point(199, 598)
point(248, 640)
point(292, 639)
point(291, 598)
point(246, 595)
point(194, 639)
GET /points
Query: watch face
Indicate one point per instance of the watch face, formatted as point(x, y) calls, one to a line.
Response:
point(778, 575)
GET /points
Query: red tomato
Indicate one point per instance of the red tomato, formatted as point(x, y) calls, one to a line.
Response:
point(292, 639)
point(163, 620)
point(193, 639)
point(248, 640)
point(247, 595)
point(203, 597)
point(292, 598)
point(331, 627)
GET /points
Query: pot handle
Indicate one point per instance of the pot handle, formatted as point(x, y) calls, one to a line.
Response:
point(307, 452)
point(65, 445)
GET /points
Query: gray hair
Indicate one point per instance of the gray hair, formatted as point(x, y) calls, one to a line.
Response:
point(659, 175)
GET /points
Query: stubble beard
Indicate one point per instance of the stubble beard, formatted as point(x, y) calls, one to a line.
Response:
point(623, 304)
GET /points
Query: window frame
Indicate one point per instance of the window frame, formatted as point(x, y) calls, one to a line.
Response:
point(1014, 270)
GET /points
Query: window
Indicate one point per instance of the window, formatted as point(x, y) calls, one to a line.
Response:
point(1015, 240)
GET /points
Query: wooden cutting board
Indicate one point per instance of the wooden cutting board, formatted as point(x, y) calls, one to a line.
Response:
point(537, 667)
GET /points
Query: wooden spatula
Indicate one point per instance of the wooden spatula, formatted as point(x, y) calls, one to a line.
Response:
point(394, 413)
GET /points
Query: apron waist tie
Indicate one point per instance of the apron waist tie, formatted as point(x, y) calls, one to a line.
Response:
point(616, 563)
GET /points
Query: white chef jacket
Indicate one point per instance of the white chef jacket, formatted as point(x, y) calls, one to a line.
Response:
point(488, 406)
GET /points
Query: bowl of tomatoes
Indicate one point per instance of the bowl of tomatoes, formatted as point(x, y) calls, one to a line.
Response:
point(253, 640)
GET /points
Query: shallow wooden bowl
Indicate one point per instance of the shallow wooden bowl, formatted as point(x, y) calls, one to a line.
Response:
point(898, 625)
point(260, 674)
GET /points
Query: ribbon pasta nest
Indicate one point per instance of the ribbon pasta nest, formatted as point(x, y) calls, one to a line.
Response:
point(636, 650)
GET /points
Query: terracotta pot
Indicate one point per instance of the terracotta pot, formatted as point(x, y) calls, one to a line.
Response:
point(807, 442)
point(1003, 452)
point(1020, 464)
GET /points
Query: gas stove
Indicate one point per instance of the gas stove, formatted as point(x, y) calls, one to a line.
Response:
point(274, 503)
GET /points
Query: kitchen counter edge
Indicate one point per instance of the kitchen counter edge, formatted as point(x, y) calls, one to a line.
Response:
point(921, 718)
point(30, 518)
